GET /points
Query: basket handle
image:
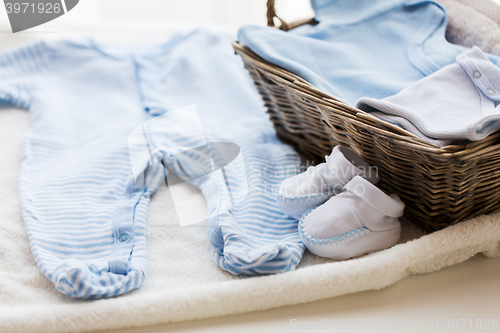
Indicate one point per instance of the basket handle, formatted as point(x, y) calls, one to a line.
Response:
point(271, 14)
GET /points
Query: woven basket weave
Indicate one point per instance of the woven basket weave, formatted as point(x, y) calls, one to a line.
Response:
point(440, 186)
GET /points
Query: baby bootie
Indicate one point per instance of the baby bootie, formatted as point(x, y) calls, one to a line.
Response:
point(298, 194)
point(362, 219)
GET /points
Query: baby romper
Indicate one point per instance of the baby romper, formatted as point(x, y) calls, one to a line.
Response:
point(84, 211)
point(362, 48)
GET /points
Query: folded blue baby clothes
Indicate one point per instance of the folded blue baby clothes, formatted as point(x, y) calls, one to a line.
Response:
point(84, 208)
point(362, 48)
point(458, 102)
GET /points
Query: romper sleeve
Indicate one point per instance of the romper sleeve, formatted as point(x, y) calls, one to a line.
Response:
point(20, 67)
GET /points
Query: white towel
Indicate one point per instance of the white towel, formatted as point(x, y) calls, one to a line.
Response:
point(176, 291)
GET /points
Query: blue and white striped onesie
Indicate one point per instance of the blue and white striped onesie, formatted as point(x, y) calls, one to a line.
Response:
point(83, 210)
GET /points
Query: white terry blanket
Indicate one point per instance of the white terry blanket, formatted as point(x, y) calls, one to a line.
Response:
point(183, 281)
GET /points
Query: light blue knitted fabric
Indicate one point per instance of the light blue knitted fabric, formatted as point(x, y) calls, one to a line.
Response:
point(360, 48)
point(83, 210)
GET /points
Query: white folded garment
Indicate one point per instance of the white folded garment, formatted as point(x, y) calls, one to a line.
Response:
point(459, 101)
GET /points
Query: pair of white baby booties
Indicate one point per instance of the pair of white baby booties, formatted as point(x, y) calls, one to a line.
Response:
point(341, 213)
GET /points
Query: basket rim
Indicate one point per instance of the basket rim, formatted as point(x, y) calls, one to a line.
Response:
point(371, 123)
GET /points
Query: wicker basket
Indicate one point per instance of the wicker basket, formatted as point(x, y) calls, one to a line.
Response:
point(440, 186)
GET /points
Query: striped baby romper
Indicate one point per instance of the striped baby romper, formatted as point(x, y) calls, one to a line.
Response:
point(84, 211)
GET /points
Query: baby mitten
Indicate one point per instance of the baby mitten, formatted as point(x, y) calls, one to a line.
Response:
point(361, 219)
point(298, 194)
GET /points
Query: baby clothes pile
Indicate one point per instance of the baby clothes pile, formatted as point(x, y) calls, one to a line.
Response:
point(108, 124)
point(391, 58)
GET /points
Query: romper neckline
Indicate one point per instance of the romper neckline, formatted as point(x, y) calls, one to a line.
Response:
point(125, 52)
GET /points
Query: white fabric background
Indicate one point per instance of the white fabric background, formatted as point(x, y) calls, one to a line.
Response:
point(183, 281)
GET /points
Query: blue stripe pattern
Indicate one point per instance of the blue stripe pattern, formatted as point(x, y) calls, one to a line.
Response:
point(84, 211)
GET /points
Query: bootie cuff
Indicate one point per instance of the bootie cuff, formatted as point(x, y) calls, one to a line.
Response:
point(343, 164)
point(373, 196)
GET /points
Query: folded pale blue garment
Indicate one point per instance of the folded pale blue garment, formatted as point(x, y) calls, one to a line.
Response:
point(83, 210)
point(362, 48)
point(458, 102)
point(404, 124)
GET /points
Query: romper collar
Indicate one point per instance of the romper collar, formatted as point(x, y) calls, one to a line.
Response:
point(146, 51)
point(346, 12)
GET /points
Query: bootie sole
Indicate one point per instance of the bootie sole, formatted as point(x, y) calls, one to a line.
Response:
point(352, 244)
